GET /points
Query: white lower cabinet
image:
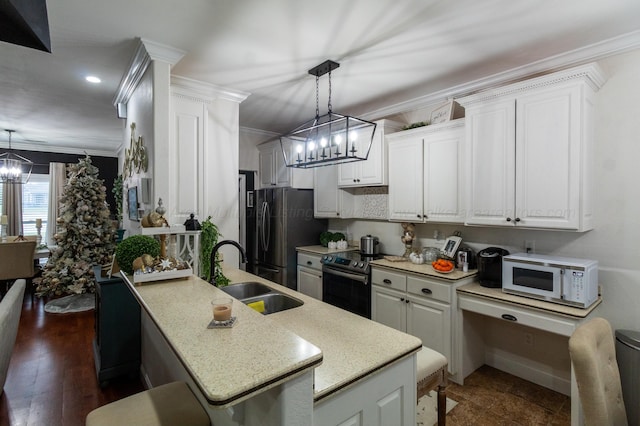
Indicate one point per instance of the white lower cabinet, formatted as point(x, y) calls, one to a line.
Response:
point(386, 398)
point(418, 305)
point(310, 275)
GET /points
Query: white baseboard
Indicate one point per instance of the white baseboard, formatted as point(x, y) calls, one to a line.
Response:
point(527, 369)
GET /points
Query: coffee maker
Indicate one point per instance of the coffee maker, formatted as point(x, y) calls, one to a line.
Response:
point(490, 266)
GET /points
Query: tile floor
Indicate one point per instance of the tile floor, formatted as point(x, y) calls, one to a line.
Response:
point(492, 397)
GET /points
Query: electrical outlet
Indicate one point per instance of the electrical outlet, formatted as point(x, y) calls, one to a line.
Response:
point(528, 339)
point(529, 246)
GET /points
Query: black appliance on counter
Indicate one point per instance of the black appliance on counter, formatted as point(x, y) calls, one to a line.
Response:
point(490, 266)
point(284, 221)
point(346, 281)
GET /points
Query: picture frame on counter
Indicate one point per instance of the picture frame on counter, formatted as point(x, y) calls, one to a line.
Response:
point(446, 112)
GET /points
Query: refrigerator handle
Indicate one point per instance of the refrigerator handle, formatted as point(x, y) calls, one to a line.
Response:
point(267, 220)
point(262, 225)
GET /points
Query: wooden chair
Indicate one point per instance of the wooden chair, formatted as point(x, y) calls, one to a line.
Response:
point(170, 404)
point(10, 310)
point(431, 374)
point(593, 356)
point(16, 261)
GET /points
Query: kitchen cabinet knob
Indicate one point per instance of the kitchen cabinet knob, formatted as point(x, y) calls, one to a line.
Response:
point(419, 216)
point(386, 281)
point(402, 299)
point(517, 219)
point(508, 219)
point(406, 301)
point(427, 291)
point(509, 317)
point(337, 214)
point(309, 262)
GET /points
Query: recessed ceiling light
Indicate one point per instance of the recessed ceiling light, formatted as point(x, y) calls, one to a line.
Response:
point(93, 79)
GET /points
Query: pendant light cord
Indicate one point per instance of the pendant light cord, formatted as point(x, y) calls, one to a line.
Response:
point(329, 102)
point(317, 97)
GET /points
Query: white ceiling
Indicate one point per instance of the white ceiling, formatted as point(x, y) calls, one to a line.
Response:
point(390, 53)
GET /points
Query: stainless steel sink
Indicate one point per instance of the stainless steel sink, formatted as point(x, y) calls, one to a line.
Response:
point(275, 302)
point(246, 289)
point(252, 291)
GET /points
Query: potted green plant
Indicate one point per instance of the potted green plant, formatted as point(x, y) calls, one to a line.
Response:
point(133, 247)
point(209, 236)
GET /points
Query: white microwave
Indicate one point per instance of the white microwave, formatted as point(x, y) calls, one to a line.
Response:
point(563, 280)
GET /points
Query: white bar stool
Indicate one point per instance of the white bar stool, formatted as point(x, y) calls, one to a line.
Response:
point(170, 404)
point(431, 373)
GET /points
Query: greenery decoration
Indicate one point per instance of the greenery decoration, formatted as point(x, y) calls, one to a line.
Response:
point(84, 234)
point(415, 125)
point(208, 239)
point(117, 194)
point(133, 247)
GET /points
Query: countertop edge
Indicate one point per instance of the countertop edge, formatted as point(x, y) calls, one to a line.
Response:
point(475, 289)
point(329, 393)
point(311, 363)
point(412, 268)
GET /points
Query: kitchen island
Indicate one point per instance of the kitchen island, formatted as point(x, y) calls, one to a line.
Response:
point(314, 364)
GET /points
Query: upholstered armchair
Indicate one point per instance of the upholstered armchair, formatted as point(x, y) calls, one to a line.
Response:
point(10, 310)
point(593, 356)
point(16, 260)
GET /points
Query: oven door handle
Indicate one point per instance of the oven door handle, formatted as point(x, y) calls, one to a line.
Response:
point(356, 277)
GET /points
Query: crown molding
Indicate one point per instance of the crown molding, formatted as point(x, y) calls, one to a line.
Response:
point(252, 131)
point(43, 147)
point(146, 51)
point(206, 92)
point(591, 53)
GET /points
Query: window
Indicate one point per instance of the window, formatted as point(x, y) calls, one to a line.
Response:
point(35, 204)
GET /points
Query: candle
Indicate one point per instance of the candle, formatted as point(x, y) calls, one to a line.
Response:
point(221, 313)
point(4, 220)
point(38, 223)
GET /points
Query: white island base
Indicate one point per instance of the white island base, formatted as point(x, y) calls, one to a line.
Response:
point(315, 394)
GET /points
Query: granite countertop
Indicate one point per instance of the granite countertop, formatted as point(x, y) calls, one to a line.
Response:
point(496, 294)
point(324, 250)
point(342, 347)
point(424, 269)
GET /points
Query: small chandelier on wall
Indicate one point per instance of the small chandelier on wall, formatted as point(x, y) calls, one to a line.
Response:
point(328, 139)
point(14, 168)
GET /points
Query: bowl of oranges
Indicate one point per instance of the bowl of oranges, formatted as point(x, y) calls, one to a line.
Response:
point(443, 266)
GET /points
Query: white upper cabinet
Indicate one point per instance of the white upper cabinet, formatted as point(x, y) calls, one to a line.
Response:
point(275, 173)
point(426, 174)
point(329, 201)
point(372, 171)
point(530, 149)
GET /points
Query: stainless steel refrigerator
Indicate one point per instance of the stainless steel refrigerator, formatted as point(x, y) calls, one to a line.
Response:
point(285, 221)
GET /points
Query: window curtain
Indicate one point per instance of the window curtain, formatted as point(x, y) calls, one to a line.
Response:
point(12, 206)
point(57, 180)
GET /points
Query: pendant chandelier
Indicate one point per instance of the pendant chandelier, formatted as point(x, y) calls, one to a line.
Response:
point(14, 168)
point(328, 139)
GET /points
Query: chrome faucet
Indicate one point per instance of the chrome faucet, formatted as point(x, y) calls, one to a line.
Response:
point(214, 251)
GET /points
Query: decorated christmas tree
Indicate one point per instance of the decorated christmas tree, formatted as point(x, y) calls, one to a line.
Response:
point(85, 235)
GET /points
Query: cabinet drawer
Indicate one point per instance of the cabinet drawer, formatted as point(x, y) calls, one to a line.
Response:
point(389, 279)
point(520, 315)
point(428, 288)
point(309, 261)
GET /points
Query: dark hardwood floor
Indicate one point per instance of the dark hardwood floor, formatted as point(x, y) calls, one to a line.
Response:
point(52, 381)
point(52, 378)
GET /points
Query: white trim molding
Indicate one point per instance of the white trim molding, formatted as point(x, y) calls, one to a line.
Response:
point(146, 52)
point(581, 56)
point(205, 92)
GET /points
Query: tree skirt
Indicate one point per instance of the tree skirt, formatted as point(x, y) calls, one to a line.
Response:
point(427, 411)
point(72, 303)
